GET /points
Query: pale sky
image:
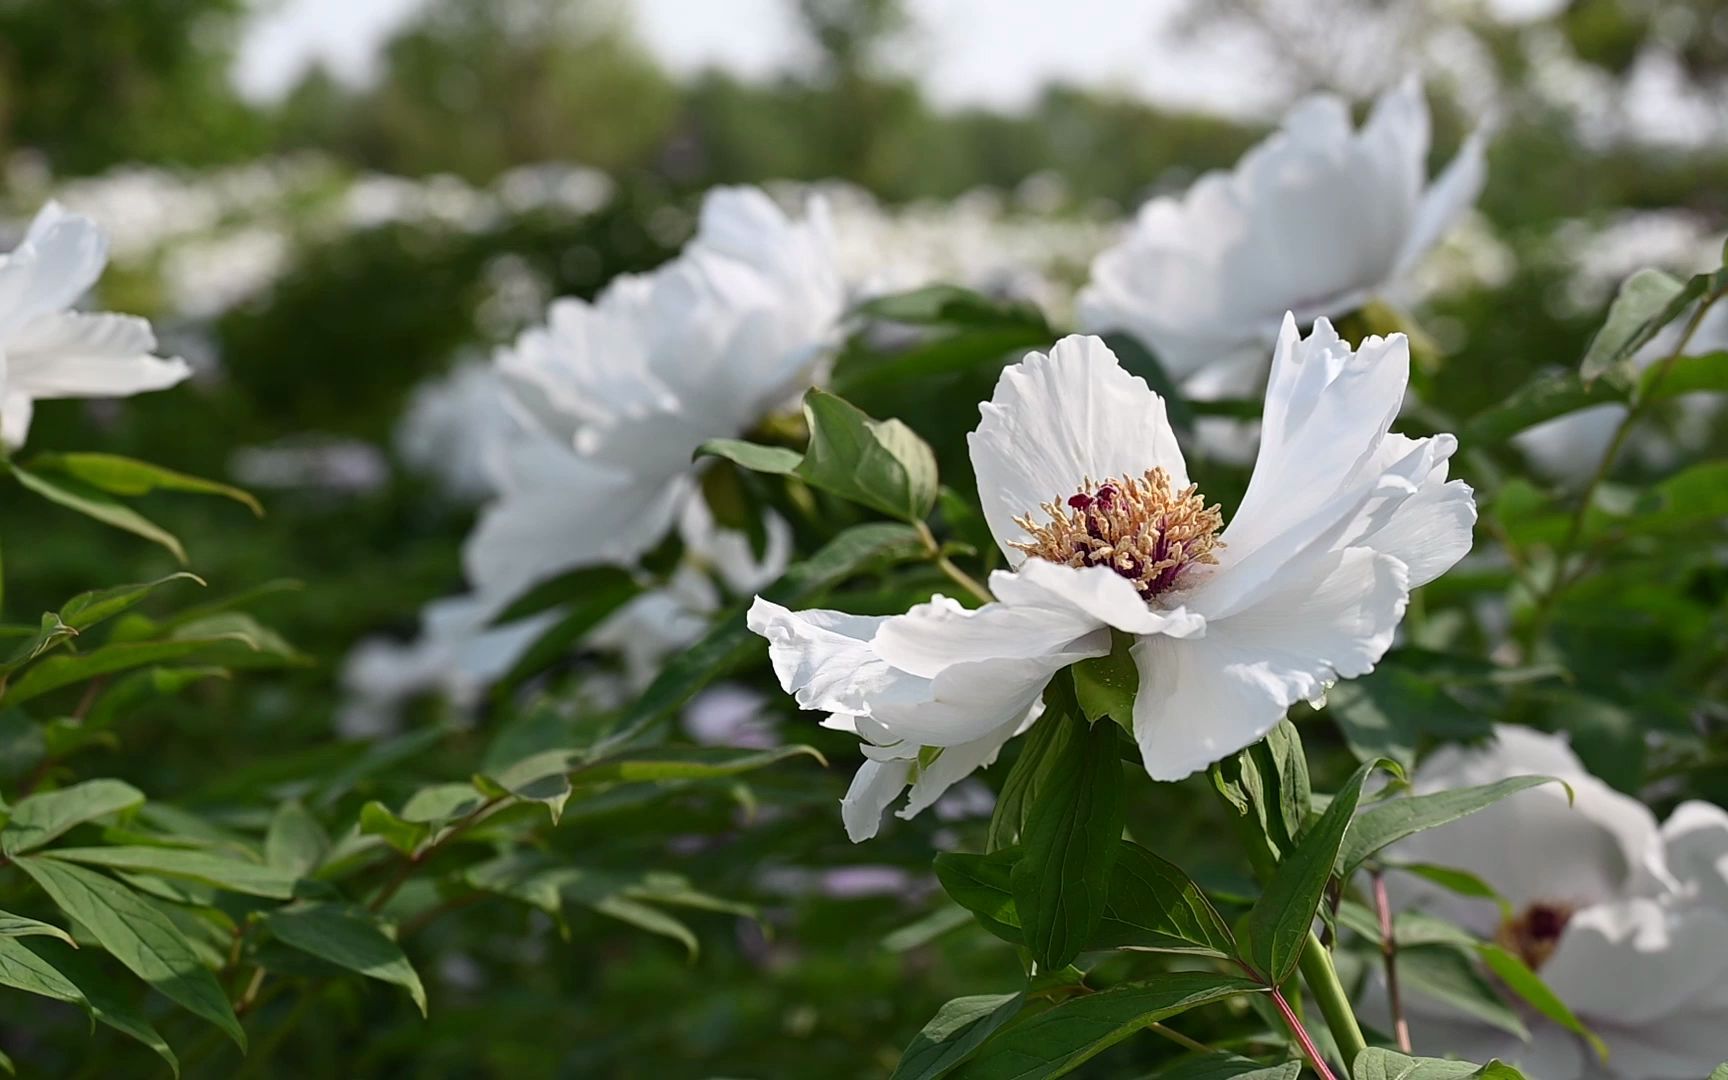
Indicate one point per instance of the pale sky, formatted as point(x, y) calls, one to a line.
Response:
point(991, 52)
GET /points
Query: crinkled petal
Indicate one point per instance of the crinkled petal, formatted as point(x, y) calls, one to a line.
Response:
point(76, 355)
point(1635, 960)
point(823, 658)
point(1204, 698)
point(1695, 838)
point(1095, 592)
point(956, 763)
point(1058, 420)
point(874, 787)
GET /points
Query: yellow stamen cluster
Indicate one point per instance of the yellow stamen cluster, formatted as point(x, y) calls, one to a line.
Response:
point(1140, 528)
point(1535, 932)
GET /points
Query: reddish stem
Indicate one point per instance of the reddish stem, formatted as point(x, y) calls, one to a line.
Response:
point(1309, 1050)
point(1389, 950)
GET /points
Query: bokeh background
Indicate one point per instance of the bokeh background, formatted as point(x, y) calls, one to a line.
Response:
point(335, 208)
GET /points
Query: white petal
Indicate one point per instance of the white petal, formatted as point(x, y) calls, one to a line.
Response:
point(1695, 837)
point(15, 413)
point(75, 355)
point(1056, 420)
point(1452, 193)
point(876, 784)
point(823, 658)
point(61, 257)
point(1095, 593)
point(956, 763)
point(1633, 961)
point(558, 511)
point(1204, 698)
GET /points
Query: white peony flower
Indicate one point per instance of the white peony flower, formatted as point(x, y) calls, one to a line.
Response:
point(1626, 921)
point(1085, 490)
point(1316, 220)
point(48, 350)
point(620, 392)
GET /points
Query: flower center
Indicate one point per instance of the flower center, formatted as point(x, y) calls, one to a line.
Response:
point(1142, 529)
point(1535, 932)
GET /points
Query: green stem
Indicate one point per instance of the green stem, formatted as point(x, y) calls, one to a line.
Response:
point(958, 576)
point(1322, 980)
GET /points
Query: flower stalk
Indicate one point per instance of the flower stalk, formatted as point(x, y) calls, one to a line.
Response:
point(1328, 991)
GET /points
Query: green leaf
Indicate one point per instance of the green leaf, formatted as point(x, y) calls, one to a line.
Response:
point(1517, 977)
point(1541, 399)
point(882, 464)
point(1153, 905)
point(94, 503)
point(1269, 781)
point(138, 935)
point(981, 884)
point(1448, 974)
point(537, 880)
point(1106, 685)
point(295, 843)
point(1221, 1066)
point(774, 460)
point(604, 596)
point(1645, 303)
point(1394, 819)
point(1376, 1064)
point(687, 763)
point(577, 586)
point(87, 609)
point(1462, 882)
point(1720, 1072)
point(1705, 373)
point(379, 820)
point(235, 875)
point(957, 1029)
point(347, 937)
point(110, 1004)
point(1273, 933)
point(1072, 839)
point(18, 926)
point(38, 819)
point(1020, 788)
point(127, 476)
point(1059, 1040)
point(22, 969)
point(49, 633)
point(1696, 497)
point(858, 550)
point(962, 350)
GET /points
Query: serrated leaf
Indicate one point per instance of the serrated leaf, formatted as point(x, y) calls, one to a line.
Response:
point(127, 476)
point(94, 503)
point(1275, 930)
point(1377, 1064)
point(1394, 819)
point(1060, 1039)
point(37, 819)
point(958, 1028)
point(774, 460)
point(350, 938)
point(1072, 839)
point(295, 842)
point(882, 464)
point(234, 875)
point(137, 935)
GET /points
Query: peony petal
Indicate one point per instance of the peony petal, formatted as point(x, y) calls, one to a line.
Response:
point(1695, 838)
point(934, 636)
point(1634, 961)
point(1094, 592)
point(60, 259)
point(1452, 193)
point(558, 512)
point(956, 763)
point(76, 355)
point(876, 784)
point(823, 658)
point(1204, 698)
point(1056, 420)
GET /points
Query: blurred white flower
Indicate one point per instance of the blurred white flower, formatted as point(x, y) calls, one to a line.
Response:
point(47, 350)
point(455, 428)
point(1626, 922)
point(620, 392)
point(310, 461)
point(1086, 492)
point(1316, 220)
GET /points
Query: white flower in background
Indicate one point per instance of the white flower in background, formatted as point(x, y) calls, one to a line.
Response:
point(1315, 220)
point(1626, 921)
point(620, 392)
point(460, 652)
point(455, 429)
point(48, 350)
point(1085, 490)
